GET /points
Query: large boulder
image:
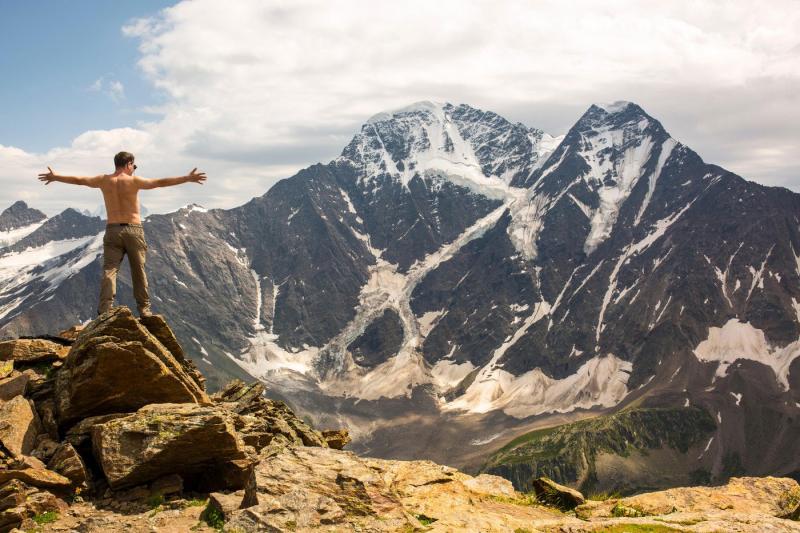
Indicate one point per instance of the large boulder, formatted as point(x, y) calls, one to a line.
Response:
point(19, 426)
point(199, 443)
point(549, 492)
point(116, 366)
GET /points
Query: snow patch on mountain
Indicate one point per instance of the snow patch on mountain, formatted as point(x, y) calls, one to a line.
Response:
point(600, 382)
point(52, 263)
point(447, 373)
point(614, 107)
point(265, 357)
point(741, 340)
point(7, 238)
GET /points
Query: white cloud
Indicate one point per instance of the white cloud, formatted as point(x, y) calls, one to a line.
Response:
point(256, 90)
point(114, 89)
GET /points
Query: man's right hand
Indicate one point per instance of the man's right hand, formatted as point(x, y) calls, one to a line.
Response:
point(196, 177)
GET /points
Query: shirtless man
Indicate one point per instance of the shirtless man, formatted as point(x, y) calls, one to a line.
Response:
point(124, 232)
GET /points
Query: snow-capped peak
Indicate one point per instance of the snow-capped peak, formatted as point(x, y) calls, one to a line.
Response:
point(475, 148)
point(614, 107)
point(424, 106)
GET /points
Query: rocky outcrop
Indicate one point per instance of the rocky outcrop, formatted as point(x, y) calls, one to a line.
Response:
point(116, 365)
point(199, 443)
point(84, 415)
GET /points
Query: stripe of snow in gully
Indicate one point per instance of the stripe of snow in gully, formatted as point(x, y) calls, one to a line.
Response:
point(7, 238)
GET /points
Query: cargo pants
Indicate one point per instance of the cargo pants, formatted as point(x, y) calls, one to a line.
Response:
point(121, 239)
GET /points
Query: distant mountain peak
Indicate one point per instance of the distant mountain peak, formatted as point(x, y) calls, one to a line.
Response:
point(482, 149)
point(614, 107)
point(19, 215)
point(423, 106)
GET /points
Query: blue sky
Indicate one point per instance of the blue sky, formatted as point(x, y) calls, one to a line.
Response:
point(252, 91)
point(53, 52)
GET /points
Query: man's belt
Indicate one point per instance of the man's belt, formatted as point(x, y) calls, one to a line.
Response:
point(123, 224)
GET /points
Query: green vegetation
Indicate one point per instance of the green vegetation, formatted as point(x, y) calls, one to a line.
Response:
point(213, 517)
point(46, 518)
point(425, 520)
point(568, 452)
point(155, 501)
point(195, 502)
point(603, 496)
point(635, 528)
point(528, 499)
point(522, 530)
point(625, 511)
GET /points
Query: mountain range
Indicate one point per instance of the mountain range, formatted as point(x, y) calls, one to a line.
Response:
point(453, 281)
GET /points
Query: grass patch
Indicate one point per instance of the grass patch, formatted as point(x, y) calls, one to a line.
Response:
point(528, 499)
point(213, 517)
point(603, 496)
point(195, 502)
point(155, 501)
point(687, 522)
point(635, 528)
point(623, 511)
point(46, 518)
point(425, 520)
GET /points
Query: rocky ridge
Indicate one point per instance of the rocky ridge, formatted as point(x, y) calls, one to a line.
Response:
point(108, 428)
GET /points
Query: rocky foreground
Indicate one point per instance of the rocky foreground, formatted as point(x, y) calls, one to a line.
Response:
point(109, 428)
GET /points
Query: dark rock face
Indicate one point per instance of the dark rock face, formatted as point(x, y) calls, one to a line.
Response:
point(379, 341)
point(483, 289)
point(19, 215)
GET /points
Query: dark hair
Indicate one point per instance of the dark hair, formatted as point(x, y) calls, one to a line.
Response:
point(122, 159)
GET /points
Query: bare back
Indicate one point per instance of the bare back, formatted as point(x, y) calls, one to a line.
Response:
point(121, 196)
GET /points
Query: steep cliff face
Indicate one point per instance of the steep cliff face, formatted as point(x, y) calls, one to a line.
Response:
point(457, 269)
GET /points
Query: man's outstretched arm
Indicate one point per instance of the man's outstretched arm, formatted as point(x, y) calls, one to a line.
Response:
point(193, 176)
point(50, 176)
